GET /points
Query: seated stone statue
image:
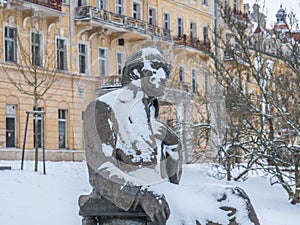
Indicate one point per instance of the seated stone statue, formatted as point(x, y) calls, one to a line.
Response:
point(127, 147)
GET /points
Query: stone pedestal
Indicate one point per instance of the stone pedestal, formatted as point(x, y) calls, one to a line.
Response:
point(96, 210)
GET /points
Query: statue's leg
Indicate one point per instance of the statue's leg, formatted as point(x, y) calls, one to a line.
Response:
point(89, 220)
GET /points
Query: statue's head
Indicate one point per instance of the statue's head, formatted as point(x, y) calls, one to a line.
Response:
point(149, 66)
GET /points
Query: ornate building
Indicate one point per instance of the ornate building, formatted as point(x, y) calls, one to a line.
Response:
point(87, 42)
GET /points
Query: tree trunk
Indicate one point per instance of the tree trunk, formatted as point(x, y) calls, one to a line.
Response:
point(296, 197)
point(36, 144)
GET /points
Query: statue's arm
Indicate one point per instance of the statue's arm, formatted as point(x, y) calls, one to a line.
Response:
point(100, 142)
point(171, 155)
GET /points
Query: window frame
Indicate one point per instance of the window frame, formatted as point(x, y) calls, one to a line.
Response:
point(194, 80)
point(205, 34)
point(180, 27)
point(166, 21)
point(226, 3)
point(205, 2)
point(40, 48)
point(181, 73)
point(82, 3)
point(65, 56)
point(206, 82)
point(235, 5)
point(119, 6)
point(228, 37)
point(85, 55)
point(103, 59)
point(64, 120)
point(103, 3)
point(193, 29)
point(13, 40)
point(136, 13)
point(120, 65)
point(152, 18)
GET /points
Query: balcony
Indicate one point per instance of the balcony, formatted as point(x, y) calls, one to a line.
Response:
point(52, 4)
point(49, 8)
point(192, 42)
point(238, 18)
point(119, 23)
point(108, 83)
point(113, 81)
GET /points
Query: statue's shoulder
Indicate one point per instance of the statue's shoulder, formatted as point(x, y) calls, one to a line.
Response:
point(110, 97)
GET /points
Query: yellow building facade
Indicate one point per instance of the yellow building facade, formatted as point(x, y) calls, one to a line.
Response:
point(87, 42)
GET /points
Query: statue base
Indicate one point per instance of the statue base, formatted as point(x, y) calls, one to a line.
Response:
point(95, 210)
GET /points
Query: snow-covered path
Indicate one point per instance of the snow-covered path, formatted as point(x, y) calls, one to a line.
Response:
point(31, 198)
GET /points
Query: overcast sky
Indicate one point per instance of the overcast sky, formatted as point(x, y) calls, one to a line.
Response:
point(272, 6)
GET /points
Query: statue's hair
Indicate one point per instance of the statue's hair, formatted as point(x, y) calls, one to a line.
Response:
point(134, 65)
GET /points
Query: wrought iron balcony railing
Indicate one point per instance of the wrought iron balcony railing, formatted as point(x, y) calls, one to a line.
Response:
point(113, 81)
point(53, 4)
point(192, 42)
point(121, 21)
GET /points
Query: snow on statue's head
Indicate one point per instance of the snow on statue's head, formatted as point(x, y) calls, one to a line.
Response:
point(148, 66)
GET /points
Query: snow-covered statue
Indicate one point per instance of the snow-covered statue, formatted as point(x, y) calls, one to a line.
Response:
point(127, 147)
point(135, 160)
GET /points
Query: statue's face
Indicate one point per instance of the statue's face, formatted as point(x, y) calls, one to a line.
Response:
point(153, 84)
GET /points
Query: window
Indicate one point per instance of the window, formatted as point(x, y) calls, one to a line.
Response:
point(194, 81)
point(62, 128)
point(228, 39)
point(193, 29)
point(81, 3)
point(36, 49)
point(120, 60)
point(226, 2)
point(11, 131)
point(10, 42)
point(205, 2)
point(61, 54)
point(119, 7)
point(166, 21)
point(180, 27)
point(235, 5)
point(181, 74)
point(205, 34)
point(136, 11)
point(82, 129)
point(152, 16)
point(206, 82)
point(101, 4)
point(82, 58)
point(102, 62)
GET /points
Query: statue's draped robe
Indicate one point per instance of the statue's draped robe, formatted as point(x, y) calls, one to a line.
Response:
point(106, 138)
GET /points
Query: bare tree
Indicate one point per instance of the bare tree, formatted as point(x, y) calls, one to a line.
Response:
point(35, 70)
point(193, 123)
point(260, 75)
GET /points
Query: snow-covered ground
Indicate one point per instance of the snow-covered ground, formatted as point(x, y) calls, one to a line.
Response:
point(32, 198)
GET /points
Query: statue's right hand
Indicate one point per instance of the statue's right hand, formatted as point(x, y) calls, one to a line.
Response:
point(155, 206)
